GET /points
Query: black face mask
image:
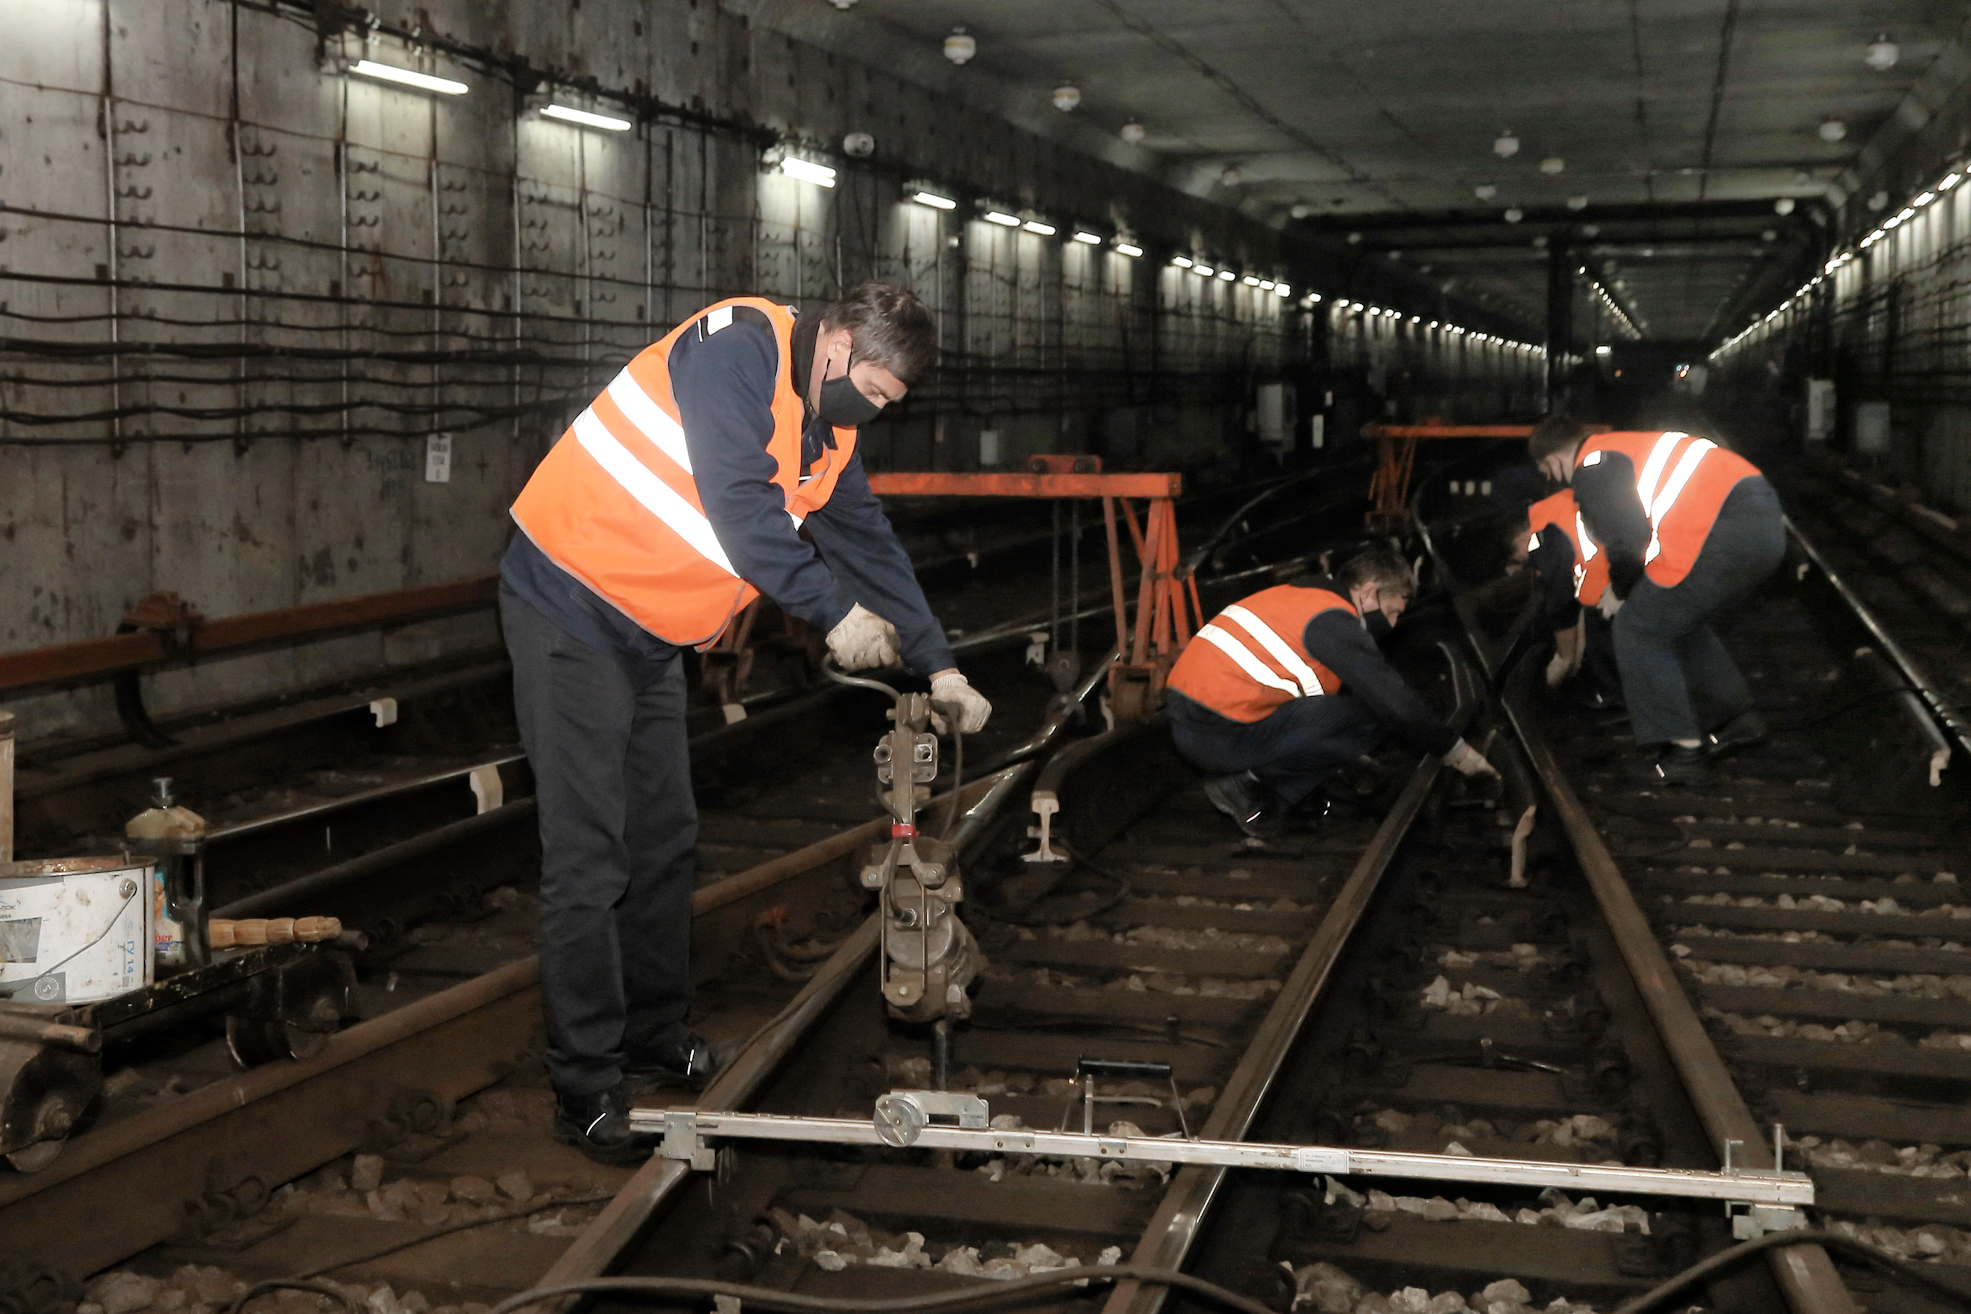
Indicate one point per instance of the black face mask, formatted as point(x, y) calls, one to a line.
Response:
point(1378, 626)
point(842, 404)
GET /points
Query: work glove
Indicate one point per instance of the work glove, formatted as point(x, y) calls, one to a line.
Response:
point(863, 640)
point(1609, 604)
point(1558, 669)
point(1468, 761)
point(957, 693)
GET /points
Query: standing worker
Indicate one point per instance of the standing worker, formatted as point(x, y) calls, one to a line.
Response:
point(719, 465)
point(1283, 688)
point(1572, 573)
point(1688, 528)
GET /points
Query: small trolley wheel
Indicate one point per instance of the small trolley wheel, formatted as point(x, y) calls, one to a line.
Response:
point(33, 1158)
point(253, 1041)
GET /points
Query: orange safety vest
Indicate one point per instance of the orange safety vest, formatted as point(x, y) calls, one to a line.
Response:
point(1590, 562)
point(1248, 659)
point(1681, 481)
point(614, 503)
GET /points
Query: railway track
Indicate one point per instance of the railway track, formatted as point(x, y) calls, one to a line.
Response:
point(1628, 977)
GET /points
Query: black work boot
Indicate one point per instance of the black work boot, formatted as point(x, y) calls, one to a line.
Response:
point(688, 1060)
point(1746, 730)
point(1675, 765)
point(1247, 802)
point(598, 1125)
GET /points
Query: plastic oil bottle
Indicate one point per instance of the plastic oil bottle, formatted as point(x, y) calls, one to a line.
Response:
point(174, 837)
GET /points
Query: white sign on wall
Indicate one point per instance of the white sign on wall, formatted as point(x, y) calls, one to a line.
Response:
point(438, 459)
point(1820, 410)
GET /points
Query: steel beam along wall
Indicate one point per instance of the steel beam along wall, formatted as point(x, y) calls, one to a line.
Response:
point(238, 291)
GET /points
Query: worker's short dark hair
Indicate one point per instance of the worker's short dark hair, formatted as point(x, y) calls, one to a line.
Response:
point(1381, 566)
point(1556, 433)
point(892, 327)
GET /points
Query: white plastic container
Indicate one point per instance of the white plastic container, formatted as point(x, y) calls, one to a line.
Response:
point(74, 930)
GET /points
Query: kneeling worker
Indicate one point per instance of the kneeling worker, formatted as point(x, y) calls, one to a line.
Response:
point(1285, 687)
point(719, 465)
point(1689, 529)
point(1573, 574)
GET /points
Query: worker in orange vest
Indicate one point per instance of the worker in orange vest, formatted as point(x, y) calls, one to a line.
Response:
point(1689, 529)
point(1284, 688)
point(1573, 573)
point(718, 465)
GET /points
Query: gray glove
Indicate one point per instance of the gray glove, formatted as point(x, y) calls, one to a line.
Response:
point(1468, 761)
point(972, 708)
point(1609, 604)
point(863, 640)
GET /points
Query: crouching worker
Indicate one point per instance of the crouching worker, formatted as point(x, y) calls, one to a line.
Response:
point(1573, 573)
point(1690, 529)
point(1280, 690)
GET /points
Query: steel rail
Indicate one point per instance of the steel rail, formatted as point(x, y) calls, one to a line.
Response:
point(1939, 706)
point(1805, 1274)
point(299, 1115)
point(1179, 1219)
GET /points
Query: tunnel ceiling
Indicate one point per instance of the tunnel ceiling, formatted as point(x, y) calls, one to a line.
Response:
point(1364, 117)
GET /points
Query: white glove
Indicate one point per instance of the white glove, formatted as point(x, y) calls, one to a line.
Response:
point(971, 705)
point(1468, 761)
point(863, 640)
point(1609, 604)
point(1558, 669)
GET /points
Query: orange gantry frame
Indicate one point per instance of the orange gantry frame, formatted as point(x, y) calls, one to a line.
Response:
point(1396, 456)
point(1167, 610)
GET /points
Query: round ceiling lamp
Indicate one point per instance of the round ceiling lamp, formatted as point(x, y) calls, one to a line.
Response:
point(1577, 202)
point(1514, 215)
point(1230, 176)
point(1833, 130)
point(1506, 145)
point(960, 46)
point(1131, 132)
point(1882, 53)
point(1784, 205)
point(1066, 97)
point(1553, 164)
point(1485, 191)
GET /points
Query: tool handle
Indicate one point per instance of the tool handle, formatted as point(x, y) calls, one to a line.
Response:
point(1100, 1067)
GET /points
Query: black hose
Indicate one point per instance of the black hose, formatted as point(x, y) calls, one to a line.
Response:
point(1903, 1270)
point(985, 1293)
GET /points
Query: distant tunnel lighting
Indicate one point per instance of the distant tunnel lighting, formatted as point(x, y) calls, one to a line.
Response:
point(935, 201)
point(1282, 291)
point(1182, 262)
point(1203, 271)
point(1087, 238)
point(1604, 351)
point(1129, 250)
point(1250, 281)
point(1001, 218)
point(1227, 275)
point(1906, 212)
point(1315, 297)
point(405, 77)
point(1949, 181)
point(1925, 199)
point(808, 171)
point(1266, 285)
point(1037, 227)
point(570, 115)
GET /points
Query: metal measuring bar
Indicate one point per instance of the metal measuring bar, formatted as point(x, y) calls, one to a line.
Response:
point(951, 1121)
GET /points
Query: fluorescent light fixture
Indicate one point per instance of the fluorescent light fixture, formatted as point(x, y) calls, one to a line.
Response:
point(1227, 275)
point(1924, 199)
point(1604, 351)
point(1906, 212)
point(1125, 248)
point(1894, 222)
point(1266, 285)
point(1182, 262)
point(1250, 281)
point(1949, 181)
point(1282, 290)
point(404, 77)
point(935, 201)
point(1087, 238)
point(1432, 324)
point(1355, 305)
point(807, 171)
point(1043, 230)
point(1315, 297)
point(1001, 218)
point(1204, 271)
point(568, 114)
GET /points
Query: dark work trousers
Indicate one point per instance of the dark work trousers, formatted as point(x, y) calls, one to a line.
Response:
point(605, 737)
point(1598, 655)
point(1676, 676)
point(1292, 750)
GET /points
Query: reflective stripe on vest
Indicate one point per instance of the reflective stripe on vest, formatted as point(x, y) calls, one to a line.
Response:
point(657, 497)
point(1278, 648)
point(1657, 494)
point(1246, 660)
